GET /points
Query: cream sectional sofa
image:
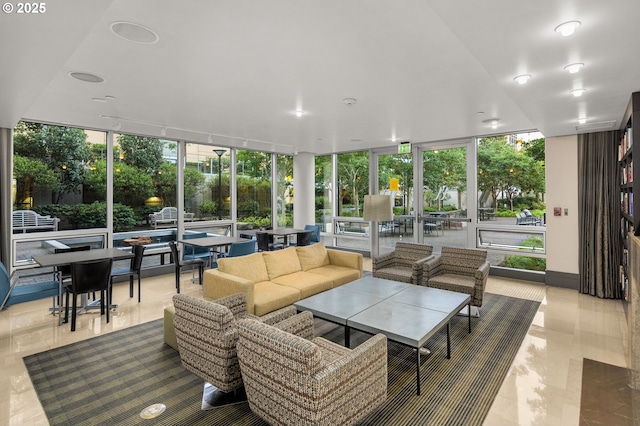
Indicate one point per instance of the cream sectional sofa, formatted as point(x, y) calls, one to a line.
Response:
point(275, 279)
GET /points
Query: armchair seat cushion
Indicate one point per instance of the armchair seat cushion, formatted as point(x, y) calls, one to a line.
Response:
point(457, 283)
point(396, 273)
point(404, 264)
point(269, 296)
point(307, 284)
point(339, 275)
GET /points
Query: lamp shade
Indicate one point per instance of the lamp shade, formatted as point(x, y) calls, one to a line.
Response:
point(378, 208)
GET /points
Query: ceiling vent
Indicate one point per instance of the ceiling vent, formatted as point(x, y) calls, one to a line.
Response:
point(601, 125)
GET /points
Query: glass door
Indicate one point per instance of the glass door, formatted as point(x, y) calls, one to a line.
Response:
point(395, 178)
point(443, 202)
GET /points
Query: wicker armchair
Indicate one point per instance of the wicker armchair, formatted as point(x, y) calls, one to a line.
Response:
point(207, 336)
point(290, 380)
point(459, 269)
point(403, 264)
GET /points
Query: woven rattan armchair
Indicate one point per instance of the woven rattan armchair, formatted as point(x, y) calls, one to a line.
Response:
point(459, 269)
point(206, 334)
point(403, 264)
point(291, 380)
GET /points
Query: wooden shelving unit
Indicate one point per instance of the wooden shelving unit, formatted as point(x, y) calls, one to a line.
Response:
point(629, 176)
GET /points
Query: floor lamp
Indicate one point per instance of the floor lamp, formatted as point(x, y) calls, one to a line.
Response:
point(377, 208)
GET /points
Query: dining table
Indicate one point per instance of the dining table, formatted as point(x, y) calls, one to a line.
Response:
point(284, 232)
point(211, 243)
point(63, 259)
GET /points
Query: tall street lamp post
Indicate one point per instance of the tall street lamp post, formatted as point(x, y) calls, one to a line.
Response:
point(219, 152)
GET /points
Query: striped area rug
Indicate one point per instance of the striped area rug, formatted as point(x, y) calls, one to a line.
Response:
point(110, 379)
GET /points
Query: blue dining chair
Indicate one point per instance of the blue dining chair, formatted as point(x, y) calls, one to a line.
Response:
point(193, 253)
point(239, 249)
point(315, 235)
point(12, 294)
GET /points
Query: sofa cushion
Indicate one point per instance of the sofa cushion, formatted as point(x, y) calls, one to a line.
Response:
point(281, 262)
point(307, 284)
point(250, 267)
point(337, 274)
point(313, 256)
point(270, 297)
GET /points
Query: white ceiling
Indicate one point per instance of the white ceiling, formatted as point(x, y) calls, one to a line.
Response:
point(421, 70)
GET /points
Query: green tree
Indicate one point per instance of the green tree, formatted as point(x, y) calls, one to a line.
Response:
point(131, 186)
point(165, 180)
point(30, 175)
point(253, 163)
point(502, 169)
point(140, 152)
point(63, 149)
point(445, 170)
point(535, 149)
point(353, 178)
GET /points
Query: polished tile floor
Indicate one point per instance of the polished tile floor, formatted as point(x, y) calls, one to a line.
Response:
point(543, 386)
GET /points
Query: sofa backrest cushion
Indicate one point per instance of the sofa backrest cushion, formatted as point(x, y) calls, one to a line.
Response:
point(281, 262)
point(250, 267)
point(313, 256)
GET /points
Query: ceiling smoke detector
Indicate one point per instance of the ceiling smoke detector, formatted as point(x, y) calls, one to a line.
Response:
point(349, 101)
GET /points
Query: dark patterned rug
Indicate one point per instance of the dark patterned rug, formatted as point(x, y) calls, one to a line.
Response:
point(110, 379)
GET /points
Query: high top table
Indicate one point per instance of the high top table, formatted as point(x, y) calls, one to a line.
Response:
point(63, 259)
point(407, 314)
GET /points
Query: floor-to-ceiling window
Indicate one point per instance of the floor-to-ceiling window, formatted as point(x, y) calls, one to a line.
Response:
point(352, 185)
point(253, 189)
point(285, 191)
point(51, 191)
point(323, 192)
point(511, 208)
point(444, 196)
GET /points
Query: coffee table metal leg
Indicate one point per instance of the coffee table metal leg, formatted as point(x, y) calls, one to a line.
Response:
point(448, 343)
point(347, 336)
point(469, 310)
point(418, 370)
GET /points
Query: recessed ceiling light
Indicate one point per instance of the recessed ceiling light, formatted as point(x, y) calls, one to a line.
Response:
point(349, 101)
point(567, 28)
point(574, 68)
point(582, 120)
point(577, 92)
point(493, 122)
point(98, 99)
point(85, 76)
point(110, 98)
point(299, 113)
point(134, 32)
point(523, 78)
point(393, 138)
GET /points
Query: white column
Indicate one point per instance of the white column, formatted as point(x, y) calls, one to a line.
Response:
point(304, 209)
point(6, 206)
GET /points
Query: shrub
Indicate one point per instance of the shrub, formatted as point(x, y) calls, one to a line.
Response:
point(208, 208)
point(527, 262)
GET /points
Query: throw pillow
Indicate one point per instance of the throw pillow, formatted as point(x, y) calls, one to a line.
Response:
point(313, 256)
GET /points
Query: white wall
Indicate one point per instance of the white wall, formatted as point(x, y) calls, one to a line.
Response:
point(561, 161)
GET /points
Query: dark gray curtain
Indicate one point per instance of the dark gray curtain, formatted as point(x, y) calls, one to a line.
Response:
point(599, 214)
